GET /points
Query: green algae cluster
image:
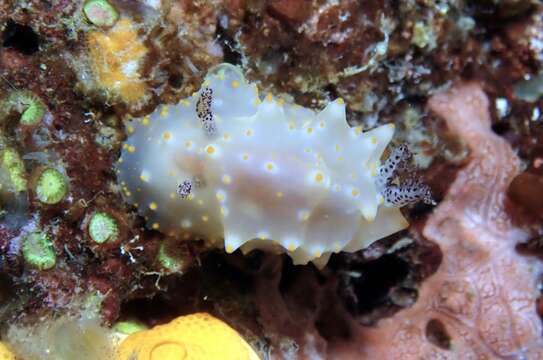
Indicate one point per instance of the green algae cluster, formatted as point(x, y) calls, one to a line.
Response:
point(103, 227)
point(129, 327)
point(28, 105)
point(38, 250)
point(100, 13)
point(51, 186)
point(12, 171)
point(170, 262)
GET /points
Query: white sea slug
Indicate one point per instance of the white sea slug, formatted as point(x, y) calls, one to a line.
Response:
point(228, 165)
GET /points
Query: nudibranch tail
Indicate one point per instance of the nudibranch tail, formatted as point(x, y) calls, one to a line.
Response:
point(271, 174)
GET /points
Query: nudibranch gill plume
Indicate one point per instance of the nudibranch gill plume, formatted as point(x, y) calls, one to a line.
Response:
point(241, 170)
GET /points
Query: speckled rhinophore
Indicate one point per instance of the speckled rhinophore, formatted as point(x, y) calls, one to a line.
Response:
point(267, 173)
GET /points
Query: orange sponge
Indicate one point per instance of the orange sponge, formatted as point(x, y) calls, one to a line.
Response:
point(116, 57)
point(197, 336)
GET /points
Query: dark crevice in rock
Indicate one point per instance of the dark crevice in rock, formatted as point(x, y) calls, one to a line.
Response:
point(21, 38)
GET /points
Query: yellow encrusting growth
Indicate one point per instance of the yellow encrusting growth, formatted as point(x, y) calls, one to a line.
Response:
point(116, 57)
point(197, 336)
point(5, 353)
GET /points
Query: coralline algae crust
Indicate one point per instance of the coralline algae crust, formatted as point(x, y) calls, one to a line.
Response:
point(258, 172)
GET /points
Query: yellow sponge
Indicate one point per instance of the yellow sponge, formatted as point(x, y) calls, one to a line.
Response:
point(5, 354)
point(198, 336)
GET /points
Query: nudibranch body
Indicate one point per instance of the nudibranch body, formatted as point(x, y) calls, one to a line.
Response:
point(228, 165)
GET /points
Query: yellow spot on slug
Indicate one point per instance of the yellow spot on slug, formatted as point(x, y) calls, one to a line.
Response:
point(229, 248)
point(164, 111)
point(338, 148)
point(130, 129)
point(257, 102)
point(131, 149)
point(188, 144)
point(321, 125)
point(270, 166)
point(355, 192)
point(269, 98)
point(153, 206)
point(358, 130)
point(340, 101)
point(155, 226)
point(317, 253)
point(145, 121)
point(210, 149)
point(226, 136)
point(220, 196)
point(235, 84)
point(291, 246)
point(291, 125)
point(249, 132)
point(309, 130)
point(319, 177)
point(226, 179)
point(373, 169)
point(166, 135)
point(245, 157)
point(373, 140)
point(205, 218)
point(185, 102)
